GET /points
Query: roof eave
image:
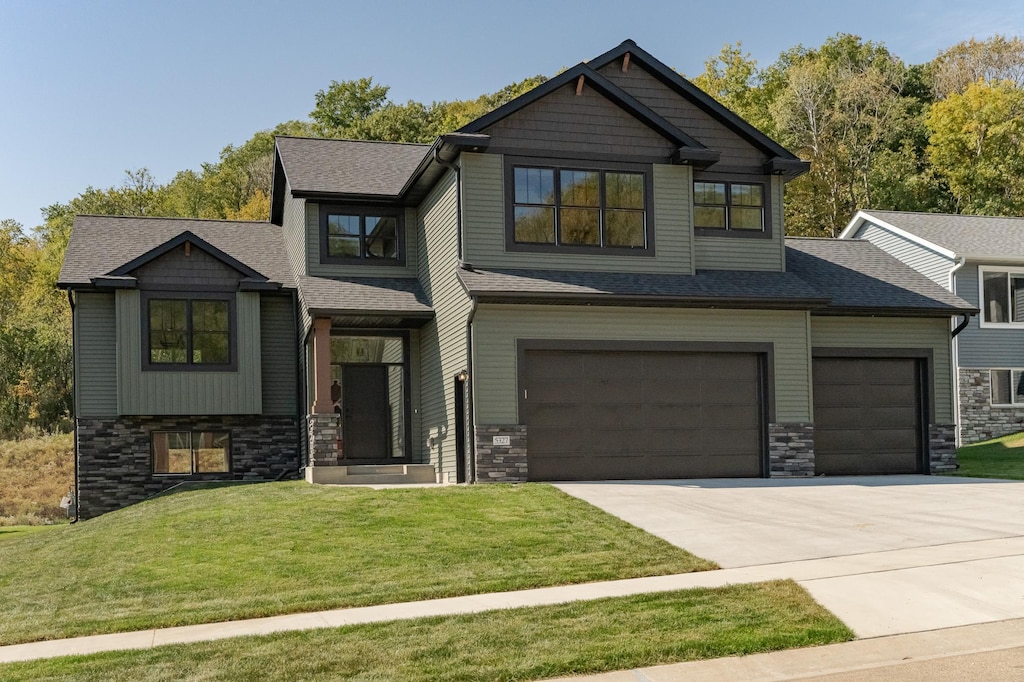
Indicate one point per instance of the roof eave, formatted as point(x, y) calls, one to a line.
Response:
point(894, 311)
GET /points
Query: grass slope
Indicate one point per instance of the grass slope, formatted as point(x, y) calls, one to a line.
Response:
point(267, 549)
point(34, 474)
point(518, 644)
point(997, 458)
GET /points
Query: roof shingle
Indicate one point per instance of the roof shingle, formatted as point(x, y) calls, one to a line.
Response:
point(355, 167)
point(970, 236)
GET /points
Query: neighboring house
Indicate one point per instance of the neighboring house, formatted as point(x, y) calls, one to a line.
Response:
point(590, 282)
point(981, 260)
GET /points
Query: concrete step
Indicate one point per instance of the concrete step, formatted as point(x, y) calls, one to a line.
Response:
point(371, 474)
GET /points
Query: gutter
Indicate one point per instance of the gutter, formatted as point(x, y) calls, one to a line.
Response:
point(74, 406)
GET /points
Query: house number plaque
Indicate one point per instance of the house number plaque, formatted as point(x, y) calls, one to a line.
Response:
point(502, 440)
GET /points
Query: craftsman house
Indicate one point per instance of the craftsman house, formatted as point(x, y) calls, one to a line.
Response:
point(980, 259)
point(590, 282)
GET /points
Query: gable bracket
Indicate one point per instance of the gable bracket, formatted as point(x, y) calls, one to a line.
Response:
point(579, 85)
point(625, 63)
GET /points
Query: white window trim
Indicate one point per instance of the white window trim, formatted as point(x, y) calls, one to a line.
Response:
point(1011, 370)
point(982, 269)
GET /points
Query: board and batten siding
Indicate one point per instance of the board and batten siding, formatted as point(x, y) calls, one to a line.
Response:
point(931, 264)
point(154, 393)
point(317, 269)
point(496, 328)
point(887, 332)
point(442, 341)
point(279, 355)
point(988, 347)
point(743, 253)
point(95, 355)
point(484, 224)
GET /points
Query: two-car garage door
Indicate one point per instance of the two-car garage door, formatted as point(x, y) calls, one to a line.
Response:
point(604, 414)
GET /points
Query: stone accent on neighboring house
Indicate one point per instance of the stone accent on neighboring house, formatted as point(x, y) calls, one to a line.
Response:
point(115, 467)
point(942, 448)
point(979, 420)
point(499, 463)
point(323, 432)
point(791, 450)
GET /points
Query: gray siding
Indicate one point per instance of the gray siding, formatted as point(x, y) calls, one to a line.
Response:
point(484, 224)
point(888, 332)
point(181, 393)
point(95, 356)
point(932, 265)
point(497, 327)
point(587, 123)
point(279, 355)
point(736, 151)
point(316, 268)
point(442, 342)
point(741, 253)
point(988, 347)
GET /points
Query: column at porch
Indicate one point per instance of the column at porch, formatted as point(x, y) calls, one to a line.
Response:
point(324, 426)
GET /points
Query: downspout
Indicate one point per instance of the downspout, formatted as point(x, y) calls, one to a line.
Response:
point(300, 385)
point(470, 418)
point(74, 403)
point(955, 349)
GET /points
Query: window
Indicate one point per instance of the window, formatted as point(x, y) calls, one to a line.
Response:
point(579, 209)
point(1002, 296)
point(1007, 386)
point(730, 206)
point(349, 235)
point(188, 332)
point(191, 452)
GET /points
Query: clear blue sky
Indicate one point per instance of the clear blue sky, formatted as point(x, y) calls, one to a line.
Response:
point(90, 89)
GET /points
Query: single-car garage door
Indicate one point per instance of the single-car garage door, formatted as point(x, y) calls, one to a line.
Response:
point(867, 415)
point(593, 415)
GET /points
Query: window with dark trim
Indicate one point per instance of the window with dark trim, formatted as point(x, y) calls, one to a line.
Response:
point(584, 209)
point(1002, 296)
point(361, 235)
point(729, 206)
point(1007, 387)
point(184, 453)
point(193, 332)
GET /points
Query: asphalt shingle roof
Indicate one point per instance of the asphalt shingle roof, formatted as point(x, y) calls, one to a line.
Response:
point(965, 235)
point(100, 244)
point(704, 286)
point(348, 166)
point(858, 275)
point(399, 295)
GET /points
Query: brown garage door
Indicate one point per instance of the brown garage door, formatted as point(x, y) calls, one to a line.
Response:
point(595, 415)
point(867, 416)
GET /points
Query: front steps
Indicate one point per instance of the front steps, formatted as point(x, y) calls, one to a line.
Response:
point(371, 474)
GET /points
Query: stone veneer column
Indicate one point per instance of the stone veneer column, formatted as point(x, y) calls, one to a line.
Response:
point(791, 450)
point(942, 448)
point(979, 420)
point(501, 463)
point(324, 432)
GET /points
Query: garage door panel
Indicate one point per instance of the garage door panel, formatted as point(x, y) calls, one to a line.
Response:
point(553, 366)
point(645, 414)
point(867, 416)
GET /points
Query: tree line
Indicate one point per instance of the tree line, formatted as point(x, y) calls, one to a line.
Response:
point(944, 136)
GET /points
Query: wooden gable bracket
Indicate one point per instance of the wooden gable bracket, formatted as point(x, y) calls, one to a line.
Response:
point(579, 85)
point(625, 62)
point(188, 249)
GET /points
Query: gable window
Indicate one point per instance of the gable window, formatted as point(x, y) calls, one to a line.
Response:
point(579, 209)
point(360, 236)
point(188, 333)
point(1007, 386)
point(728, 206)
point(191, 452)
point(1002, 296)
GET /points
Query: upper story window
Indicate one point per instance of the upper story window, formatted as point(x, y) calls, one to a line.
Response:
point(188, 333)
point(360, 236)
point(729, 206)
point(584, 210)
point(1002, 296)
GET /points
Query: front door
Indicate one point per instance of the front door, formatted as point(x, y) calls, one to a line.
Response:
point(366, 413)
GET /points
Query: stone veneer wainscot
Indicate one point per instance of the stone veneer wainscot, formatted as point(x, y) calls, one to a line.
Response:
point(501, 463)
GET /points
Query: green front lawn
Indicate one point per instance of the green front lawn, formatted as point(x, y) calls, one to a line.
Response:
point(518, 644)
point(267, 549)
point(998, 458)
point(11, 532)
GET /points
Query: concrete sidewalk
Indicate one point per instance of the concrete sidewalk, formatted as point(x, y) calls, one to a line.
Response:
point(840, 583)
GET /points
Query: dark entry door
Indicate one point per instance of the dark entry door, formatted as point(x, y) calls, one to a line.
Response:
point(366, 412)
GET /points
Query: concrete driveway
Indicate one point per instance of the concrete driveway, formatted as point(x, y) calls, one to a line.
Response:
point(888, 555)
